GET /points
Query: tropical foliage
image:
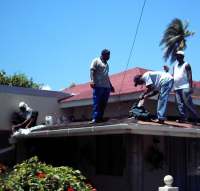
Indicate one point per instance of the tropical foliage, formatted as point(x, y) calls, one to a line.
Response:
point(33, 175)
point(174, 38)
point(20, 80)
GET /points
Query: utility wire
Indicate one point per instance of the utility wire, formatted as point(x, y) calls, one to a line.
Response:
point(132, 47)
point(133, 44)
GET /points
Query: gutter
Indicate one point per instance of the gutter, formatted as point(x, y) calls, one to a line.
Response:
point(6, 150)
point(114, 129)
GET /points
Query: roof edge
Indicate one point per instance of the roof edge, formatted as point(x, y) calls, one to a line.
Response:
point(33, 92)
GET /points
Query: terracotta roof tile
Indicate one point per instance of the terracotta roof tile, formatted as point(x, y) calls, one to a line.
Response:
point(122, 82)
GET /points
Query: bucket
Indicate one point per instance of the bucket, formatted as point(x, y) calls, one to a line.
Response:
point(48, 120)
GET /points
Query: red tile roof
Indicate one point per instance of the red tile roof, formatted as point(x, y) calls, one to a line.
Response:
point(122, 82)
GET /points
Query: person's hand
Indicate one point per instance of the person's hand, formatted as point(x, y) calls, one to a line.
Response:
point(112, 89)
point(141, 97)
point(92, 85)
point(191, 90)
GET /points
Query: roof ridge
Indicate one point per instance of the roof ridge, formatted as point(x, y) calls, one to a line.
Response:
point(137, 69)
point(131, 69)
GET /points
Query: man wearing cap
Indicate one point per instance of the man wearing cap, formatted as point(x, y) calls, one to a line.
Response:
point(24, 118)
point(101, 85)
point(183, 88)
point(156, 82)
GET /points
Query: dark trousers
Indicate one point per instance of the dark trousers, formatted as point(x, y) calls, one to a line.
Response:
point(185, 104)
point(100, 99)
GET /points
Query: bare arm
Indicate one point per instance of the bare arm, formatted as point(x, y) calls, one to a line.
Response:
point(92, 72)
point(149, 92)
point(111, 86)
point(189, 75)
point(20, 125)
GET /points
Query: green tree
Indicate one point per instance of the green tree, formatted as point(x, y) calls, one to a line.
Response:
point(17, 79)
point(174, 38)
point(4, 79)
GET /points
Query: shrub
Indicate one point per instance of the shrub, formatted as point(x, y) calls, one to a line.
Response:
point(33, 175)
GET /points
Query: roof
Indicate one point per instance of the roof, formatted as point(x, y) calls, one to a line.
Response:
point(124, 126)
point(122, 82)
point(33, 92)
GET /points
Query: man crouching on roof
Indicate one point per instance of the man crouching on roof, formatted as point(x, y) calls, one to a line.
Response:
point(156, 82)
point(24, 118)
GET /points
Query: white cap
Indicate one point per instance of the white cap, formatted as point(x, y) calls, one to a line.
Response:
point(22, 104)
point(180, 52)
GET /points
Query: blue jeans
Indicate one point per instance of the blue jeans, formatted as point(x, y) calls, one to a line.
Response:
point(185, 104)
point(163, 99)
point(100, 99)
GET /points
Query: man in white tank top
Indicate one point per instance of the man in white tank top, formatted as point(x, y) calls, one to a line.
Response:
point(183, 88)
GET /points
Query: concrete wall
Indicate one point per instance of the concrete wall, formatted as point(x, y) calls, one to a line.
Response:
point(117, 110)
point(9, 103)
point(45, 102)
point(120, 106)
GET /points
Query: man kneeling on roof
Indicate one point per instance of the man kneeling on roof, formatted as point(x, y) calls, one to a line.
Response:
point(156, 82)
point(24, 118)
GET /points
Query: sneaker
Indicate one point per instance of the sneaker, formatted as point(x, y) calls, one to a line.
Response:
point(92, 122)
point(160, 121)
point(181, 121)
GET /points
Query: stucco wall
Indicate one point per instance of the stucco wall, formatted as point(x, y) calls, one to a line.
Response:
point(9, 103)
point(116, 110)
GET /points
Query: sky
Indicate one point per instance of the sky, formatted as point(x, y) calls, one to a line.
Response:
point(54, 42)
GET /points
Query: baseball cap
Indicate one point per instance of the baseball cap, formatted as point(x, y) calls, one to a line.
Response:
point(22, 104)
point(136, 79)
point(180, 52)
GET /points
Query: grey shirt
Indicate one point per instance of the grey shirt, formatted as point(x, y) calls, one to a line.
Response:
point(101, 70)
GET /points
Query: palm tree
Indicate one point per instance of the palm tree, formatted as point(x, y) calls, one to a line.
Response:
point(174, 38)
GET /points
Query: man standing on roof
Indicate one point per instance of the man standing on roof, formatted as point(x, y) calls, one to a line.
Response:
point(156, 82)
point(100, 82)
point(183, 88)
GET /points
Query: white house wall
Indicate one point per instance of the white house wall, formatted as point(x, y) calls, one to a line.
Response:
point(45, 105)
point(9, 103)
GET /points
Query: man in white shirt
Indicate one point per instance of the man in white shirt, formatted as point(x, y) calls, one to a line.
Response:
point(183, 89)
point(156, 82)
point(24, 118)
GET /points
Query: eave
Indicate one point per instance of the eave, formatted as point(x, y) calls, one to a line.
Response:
point(113, 129)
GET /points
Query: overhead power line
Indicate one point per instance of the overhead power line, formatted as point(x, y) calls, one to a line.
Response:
point(132, 46)
point(130, 54)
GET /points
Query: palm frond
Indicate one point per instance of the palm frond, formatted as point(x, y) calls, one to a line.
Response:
point(174, 38)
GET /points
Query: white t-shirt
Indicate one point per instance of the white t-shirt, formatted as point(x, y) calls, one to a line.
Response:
point(180, 77)
point(156, 78)
point(29, 112)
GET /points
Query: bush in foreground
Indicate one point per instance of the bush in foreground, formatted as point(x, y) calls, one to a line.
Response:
point(33, 175)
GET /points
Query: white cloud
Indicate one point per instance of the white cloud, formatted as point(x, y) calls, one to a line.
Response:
point(46, 87)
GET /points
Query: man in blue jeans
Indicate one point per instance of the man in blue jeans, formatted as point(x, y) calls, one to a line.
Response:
point(156, 82)
point(183, 89)
point(100, 82)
